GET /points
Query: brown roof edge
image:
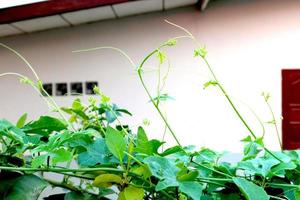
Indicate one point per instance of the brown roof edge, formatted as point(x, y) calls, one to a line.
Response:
point(52, 7)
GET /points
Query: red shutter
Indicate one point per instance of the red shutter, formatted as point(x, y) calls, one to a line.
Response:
point(291, 108)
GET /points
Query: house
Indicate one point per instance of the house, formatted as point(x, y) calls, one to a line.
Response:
point(249, 43)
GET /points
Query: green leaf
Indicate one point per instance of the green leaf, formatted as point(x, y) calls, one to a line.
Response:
point(60, 155)
point(143, 145)
point(45, 125)
point(96, 153)
point(163, 97)
point(192, 189)
point(12, 132)
point(21, 121)
point(250, 190)
point(247, 139)
point(133, 193)
point(123, 111)
point(111, 112)
point(171, 42)
point(77, 105)
point(210, 83)
point(142, 170)
point(280, 169)
point(200, 52)
point(172, 150)
point(164, 169)
point(258, 166)
point(27, 187)
point(38, 161)
point(115, 143)
point(161, 56)
point(107, 180)
point(206, 156)
point(189, 176)
point(251, 150)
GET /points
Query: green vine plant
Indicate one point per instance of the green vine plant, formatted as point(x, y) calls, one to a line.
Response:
point(116, 161)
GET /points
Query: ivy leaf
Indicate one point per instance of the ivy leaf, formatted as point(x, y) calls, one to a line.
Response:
point(12, 132)
point(282, 156)
point(121, 110)
point(142, 170)
point(115, 143)
point(111, 112)
point(133, 193)
point(26, 187)
point(251, 150)
point(192, 189)
point(280, 169)
point(206, 156)
point(189, 176)
point(21, 121)
point(210, 83)
point(45, 125)
point(250, 190)
point(76, 105)
point(38, 161)
point(163, 169)
point(107, 180)
point(145, 146)
point(60, 155)
point(172, 150)
point(96, 152)
point(258, 166)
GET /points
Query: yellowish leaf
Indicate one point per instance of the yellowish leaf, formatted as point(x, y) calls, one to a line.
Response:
point(134, 193)
point(106, 180)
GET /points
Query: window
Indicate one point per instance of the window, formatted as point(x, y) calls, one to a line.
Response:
point(61, 89)
point(48, 87)
point(76, 88)
point(89, 87)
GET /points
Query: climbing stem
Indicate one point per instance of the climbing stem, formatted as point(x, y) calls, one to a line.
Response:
point(139, 71)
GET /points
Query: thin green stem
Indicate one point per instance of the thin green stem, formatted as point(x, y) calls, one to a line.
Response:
point(216, 179)
point(275, 197)
point(22, 58)
point(51, 169)
point(282, 185)
point(229, 99)
point(139, 70)
point(51, 104)
point(22, 77)
point(275, 123)
point(108, 47)
point(140, 76)
point(255, 115)
point(222, 88)
point(64, 185)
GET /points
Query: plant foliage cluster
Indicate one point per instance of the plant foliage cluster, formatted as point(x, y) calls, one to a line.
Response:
point(112, 158)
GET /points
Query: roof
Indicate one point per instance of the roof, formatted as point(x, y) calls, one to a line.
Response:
point(37, 15)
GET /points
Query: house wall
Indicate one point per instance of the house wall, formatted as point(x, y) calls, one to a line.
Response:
point(248, 44)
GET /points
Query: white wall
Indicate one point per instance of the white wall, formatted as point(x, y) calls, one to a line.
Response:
point(248, 44)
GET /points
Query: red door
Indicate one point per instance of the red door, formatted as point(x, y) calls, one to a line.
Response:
point(291, 108)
